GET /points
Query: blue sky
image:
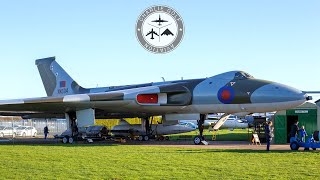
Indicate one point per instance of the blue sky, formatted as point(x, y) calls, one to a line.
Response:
point(95, 42)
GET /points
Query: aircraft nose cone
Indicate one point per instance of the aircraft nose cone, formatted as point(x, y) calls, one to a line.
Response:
point(276, 92)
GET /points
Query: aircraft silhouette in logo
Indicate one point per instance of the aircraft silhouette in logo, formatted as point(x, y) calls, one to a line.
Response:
point(167, 32)
point(159, 20)
point(152, 32)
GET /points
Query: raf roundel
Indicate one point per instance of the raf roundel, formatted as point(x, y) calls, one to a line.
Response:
point(226, 95)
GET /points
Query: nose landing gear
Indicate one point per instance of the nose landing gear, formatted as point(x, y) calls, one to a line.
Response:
point(198, 140)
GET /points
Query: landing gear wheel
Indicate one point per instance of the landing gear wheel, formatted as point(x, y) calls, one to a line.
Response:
point(294, 146)
point(71, 140)
point(197, 140)
point(140, 138)
point(65, 140)
point(146, 138)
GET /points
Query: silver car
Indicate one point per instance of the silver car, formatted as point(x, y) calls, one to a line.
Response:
point(25, 131)
point(7, 131)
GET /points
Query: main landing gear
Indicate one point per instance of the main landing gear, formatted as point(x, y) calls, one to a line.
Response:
point(147, 128)
point(143, 138)
point(73, 136)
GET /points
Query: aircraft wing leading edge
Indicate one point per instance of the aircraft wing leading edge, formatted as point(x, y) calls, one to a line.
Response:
point(60, 104)
point(129, 101)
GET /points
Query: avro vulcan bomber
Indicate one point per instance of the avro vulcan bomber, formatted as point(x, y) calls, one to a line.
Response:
point(229, 93)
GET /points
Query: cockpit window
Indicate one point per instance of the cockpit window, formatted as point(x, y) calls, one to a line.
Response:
point(242, 75)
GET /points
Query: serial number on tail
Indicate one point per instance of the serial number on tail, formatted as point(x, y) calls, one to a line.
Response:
point(63, 91)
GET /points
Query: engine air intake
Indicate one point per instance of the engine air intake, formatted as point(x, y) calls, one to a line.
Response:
point(148, 98)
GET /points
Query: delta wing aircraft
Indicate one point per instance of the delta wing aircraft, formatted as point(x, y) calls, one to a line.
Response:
point(229, 93)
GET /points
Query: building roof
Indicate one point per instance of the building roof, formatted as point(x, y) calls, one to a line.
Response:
point(10, 118)
point(307, 105)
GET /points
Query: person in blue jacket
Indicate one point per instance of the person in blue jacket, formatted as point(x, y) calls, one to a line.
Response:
point(269, 134)
point(303, 134)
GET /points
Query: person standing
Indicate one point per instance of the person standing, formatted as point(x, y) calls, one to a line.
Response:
point(269, 134)
point(294, 131)
point(303, 134)
point(46, 132)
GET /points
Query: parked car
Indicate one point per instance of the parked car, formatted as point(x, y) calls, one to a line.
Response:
point(25, 131)
point(7, 131)
point(97, 132)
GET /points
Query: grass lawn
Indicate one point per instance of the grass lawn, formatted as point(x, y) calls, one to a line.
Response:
point(222, 135)
point(141, 162)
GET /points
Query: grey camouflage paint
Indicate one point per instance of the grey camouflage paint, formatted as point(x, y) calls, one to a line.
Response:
point(180, 92)
point(182, 96)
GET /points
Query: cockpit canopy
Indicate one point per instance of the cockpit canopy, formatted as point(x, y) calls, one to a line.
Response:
point(234, 75)
point(242, 75)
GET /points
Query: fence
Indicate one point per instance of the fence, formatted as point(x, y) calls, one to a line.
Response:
point(56, 126)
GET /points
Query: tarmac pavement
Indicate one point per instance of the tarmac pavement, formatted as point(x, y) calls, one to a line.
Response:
point(180, 144)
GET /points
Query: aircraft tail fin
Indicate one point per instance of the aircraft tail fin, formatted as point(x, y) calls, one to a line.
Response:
point(56, 80)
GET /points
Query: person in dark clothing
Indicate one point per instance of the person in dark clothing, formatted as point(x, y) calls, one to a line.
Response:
point(46, 132)
point(294, 130)
point(269, 134)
